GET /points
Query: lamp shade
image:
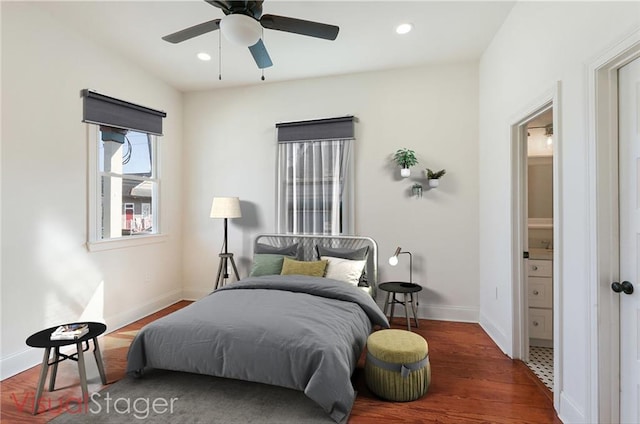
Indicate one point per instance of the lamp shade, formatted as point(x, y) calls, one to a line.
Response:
point(225, 207)
point(241, 29)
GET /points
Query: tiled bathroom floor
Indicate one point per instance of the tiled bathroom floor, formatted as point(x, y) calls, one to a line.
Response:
point(541, 363)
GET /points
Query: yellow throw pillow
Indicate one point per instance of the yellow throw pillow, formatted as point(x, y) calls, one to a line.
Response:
point(311, 268)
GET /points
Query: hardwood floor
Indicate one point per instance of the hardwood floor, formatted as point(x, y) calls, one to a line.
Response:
point(18, 392)
point(472, 382)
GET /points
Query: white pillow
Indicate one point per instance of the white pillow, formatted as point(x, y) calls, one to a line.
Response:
point(345, 270)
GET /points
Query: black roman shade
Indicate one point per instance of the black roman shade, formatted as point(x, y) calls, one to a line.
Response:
point(104, 110)
point(318, 129)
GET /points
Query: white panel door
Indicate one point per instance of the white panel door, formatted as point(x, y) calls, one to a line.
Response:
point(629, 131)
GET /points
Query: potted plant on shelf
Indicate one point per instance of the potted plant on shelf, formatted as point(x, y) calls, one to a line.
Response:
point(434, 177)
point(405, 159)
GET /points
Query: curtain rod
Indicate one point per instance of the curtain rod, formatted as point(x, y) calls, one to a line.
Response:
point(316, 121)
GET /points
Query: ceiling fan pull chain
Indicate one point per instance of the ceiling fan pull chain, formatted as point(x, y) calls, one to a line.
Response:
point(262, 69)
point(219, 56)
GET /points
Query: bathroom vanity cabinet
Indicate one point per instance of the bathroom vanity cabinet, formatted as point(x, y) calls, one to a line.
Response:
point(540, 299)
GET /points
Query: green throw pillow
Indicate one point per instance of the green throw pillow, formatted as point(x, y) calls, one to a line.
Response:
point(311, 268)
point(266, 264)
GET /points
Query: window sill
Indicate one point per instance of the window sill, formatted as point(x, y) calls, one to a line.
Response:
point(121, 243)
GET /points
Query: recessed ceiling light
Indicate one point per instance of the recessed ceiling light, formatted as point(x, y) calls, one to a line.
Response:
point(204, 56)
point(404, 28)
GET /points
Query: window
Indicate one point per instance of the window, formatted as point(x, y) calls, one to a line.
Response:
point(315, 184)
point(128, 191)
point(124, 185)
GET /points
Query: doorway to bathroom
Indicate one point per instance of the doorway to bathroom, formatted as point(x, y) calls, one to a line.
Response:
point(539, 245)
point(536, 238)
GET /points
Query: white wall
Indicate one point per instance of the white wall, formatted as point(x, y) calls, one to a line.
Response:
point(48, 276)
point(524, 61)
point(230, 149)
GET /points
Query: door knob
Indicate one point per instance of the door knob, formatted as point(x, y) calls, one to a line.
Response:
point(625, 287)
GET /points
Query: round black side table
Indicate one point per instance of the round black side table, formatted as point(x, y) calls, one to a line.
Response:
point(42, 339)
point(407, 290)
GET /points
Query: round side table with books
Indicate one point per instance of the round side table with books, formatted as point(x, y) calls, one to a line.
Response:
point(43, 339)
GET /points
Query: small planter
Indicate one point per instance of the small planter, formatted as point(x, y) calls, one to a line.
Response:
point(434, 177)
point(416, 190)
point(405, 159)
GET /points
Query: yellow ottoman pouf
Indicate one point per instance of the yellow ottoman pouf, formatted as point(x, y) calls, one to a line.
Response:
point(397, 365)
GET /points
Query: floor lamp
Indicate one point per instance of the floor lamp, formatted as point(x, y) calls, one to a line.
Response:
point(225, 207)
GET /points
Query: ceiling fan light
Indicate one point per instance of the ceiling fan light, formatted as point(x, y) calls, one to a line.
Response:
point(241, 29)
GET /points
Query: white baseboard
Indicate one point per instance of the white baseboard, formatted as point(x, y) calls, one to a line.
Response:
point(497, 335)
point(152, 306)
point(20, 361)
point(541, 343)
point(194, 294)
point(438, 312)
point(30, 357)
point(448, 313)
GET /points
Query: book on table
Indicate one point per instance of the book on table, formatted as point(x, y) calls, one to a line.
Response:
point(70, 331)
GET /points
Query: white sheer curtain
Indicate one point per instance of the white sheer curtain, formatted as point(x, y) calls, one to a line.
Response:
point(315, 186)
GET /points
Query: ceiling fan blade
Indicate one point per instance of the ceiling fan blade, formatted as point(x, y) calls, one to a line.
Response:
point(260, 55)
point(252, 8)
point(224, 5)
point(194, 31)
point(299, 26)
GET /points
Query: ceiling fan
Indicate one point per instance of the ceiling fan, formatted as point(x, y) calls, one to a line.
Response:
point(243, 23)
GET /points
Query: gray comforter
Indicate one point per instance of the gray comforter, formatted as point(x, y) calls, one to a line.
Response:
point(304, 333)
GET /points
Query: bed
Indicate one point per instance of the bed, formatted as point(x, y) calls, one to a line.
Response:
point(304, 332)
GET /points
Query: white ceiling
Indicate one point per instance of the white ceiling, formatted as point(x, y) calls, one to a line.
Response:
point(444, 32)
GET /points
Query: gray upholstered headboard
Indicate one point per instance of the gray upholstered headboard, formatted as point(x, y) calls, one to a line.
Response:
point(308, 242)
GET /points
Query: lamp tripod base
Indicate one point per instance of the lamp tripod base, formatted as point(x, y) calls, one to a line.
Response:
point(225, 258)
